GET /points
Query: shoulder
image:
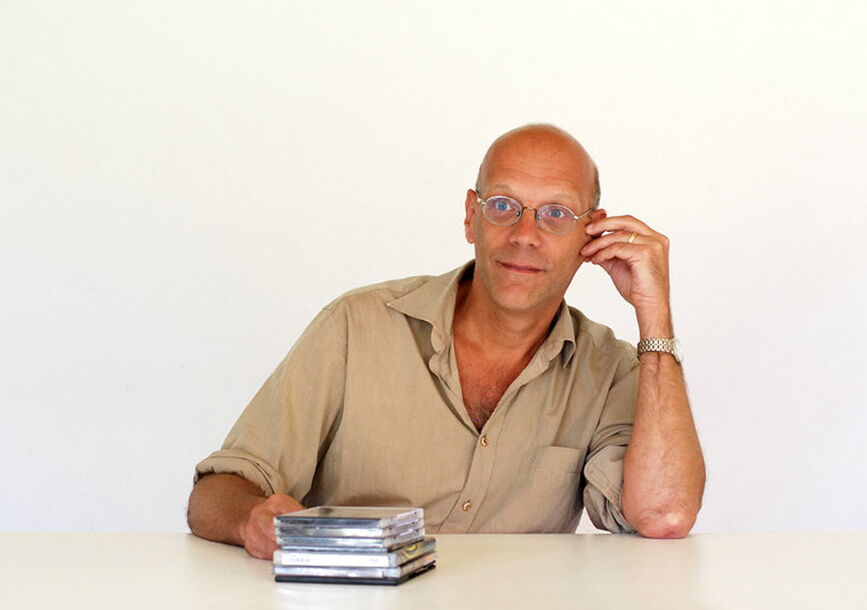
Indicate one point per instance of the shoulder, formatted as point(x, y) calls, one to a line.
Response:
point(363, 307)
point(377, 295)
point(598, 342)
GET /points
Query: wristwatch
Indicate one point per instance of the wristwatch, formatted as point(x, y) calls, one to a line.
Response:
point(671, 346)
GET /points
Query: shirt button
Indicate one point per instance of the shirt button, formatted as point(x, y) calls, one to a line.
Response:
point(467, 506)
point(484, 440)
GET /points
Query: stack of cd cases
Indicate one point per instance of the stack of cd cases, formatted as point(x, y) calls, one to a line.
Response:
point(352, 544)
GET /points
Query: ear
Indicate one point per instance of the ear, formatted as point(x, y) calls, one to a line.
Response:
point(598, 214)
point(470, 217)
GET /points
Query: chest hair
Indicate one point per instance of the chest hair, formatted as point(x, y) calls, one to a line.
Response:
point(482, 386)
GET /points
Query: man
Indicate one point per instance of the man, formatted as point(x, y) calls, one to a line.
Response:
point(479, 394)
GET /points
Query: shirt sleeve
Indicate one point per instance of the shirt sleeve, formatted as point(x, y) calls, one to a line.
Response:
point(603, 468)
point(280, 437)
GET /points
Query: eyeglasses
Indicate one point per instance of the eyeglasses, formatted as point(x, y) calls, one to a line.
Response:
point(554, 218)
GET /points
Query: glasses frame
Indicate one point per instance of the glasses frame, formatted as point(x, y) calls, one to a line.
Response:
point(483, 203)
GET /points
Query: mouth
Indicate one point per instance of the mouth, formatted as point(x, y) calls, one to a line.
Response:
point(522, 269)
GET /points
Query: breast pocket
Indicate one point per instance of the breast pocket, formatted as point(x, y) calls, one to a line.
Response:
point(556, 474)
point(554, 460)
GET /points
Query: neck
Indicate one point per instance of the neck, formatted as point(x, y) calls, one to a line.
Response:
point(498, 332)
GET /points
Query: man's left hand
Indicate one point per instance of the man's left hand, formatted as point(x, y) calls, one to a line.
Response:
point(636, 258)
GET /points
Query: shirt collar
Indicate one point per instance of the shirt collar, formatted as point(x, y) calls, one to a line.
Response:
point(561, 339)
point(434, 302)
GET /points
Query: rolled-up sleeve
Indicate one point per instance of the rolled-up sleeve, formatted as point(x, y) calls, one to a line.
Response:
point(603, 468)
point(281, 435)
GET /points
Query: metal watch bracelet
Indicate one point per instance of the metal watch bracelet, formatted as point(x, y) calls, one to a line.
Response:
point(656, 344)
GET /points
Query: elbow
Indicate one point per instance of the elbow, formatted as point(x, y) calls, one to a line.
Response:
point(196, 513)
point(667, 526)
point(193, 516)
point(672, 519)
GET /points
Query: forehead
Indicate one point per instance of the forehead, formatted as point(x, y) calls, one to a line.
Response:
point(537, 167)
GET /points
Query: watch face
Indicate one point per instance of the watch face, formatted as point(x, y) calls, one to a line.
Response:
point(678, 350)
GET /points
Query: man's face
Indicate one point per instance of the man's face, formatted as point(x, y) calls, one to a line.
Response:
point(521, 267)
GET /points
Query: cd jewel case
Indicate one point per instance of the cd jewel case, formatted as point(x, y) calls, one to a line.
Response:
point(388, 543)
point(340, 558)
point(362, 517)
point(357, 572)
point(352, 544)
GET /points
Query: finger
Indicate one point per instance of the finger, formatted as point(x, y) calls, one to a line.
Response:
point(597, 244)
point(266, 526)
point(261, 540)
point(262, 526)
point(621, 250)
point(619, 223)
point(261, 523)
point(261, 547)
point(256, 543)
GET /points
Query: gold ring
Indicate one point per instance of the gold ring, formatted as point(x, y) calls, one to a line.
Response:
point(632, 238)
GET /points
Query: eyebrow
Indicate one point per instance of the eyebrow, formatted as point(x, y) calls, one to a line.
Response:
point(559, 197)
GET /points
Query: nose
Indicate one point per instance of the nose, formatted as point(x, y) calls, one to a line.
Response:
point(526, 231)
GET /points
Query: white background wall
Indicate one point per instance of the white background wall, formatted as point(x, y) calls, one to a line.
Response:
point(184, 184)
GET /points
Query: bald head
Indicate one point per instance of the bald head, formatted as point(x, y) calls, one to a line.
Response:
point(541, 144)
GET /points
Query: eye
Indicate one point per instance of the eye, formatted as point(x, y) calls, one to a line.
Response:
point(556, 212)
point(502, 205)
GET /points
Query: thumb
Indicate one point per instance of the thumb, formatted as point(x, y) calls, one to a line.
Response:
point(608, 265)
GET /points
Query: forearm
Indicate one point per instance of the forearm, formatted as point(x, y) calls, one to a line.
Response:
point(663, 470)
point(219, 506)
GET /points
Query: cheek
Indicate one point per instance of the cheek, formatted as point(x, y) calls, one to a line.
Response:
point(574, 255)
point(474, 232)
point(483, 238)
point(581, 243)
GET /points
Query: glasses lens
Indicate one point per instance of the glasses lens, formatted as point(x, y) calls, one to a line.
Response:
point(556, 218)
point(501, 210)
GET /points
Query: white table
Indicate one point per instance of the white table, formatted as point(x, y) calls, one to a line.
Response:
point(160, 571)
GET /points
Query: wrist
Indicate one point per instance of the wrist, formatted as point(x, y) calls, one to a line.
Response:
point(241, 529)
point(655, 324)
point(658, 347)
point(248, 507)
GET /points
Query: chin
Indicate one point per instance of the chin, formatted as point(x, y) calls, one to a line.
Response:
point(518, 302)
point(515, 294)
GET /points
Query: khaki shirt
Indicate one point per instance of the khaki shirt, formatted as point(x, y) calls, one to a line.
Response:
point(366, 409)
